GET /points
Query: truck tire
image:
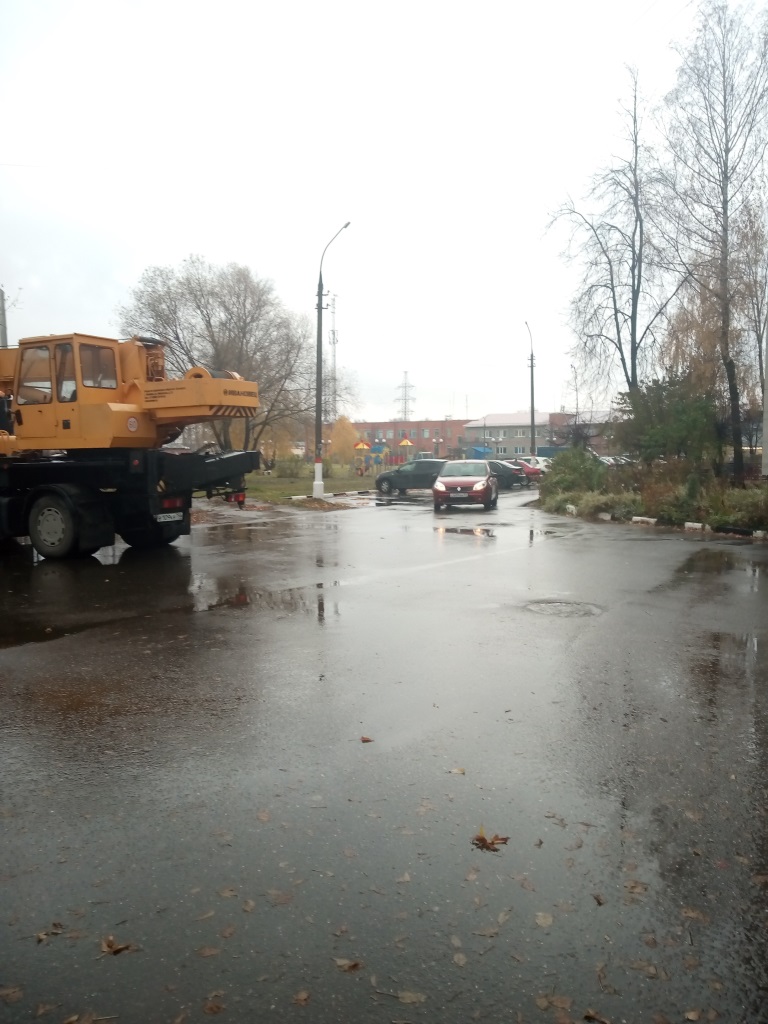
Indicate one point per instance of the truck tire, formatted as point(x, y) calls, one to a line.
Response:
point(53, 527)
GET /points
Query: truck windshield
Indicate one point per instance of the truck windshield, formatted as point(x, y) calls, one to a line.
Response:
point(35, 386)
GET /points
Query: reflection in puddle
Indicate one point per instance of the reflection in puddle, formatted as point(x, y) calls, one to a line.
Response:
point(472, 531)
point(735, 659)
point(564, 609)
point(712, 562)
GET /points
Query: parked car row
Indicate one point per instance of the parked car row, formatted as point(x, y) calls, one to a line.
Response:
point(422, 474)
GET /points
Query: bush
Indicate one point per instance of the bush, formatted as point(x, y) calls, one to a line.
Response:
point(589, 503)
point(573, 470)
point(293, 466)
point(747, 509)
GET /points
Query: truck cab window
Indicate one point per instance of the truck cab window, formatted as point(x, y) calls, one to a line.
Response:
point(97, 366)
point(35, 387)
point(66, 385)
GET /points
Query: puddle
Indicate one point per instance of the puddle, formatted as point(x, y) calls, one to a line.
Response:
point(564, 609)
point(471, 531)
point(708, 563)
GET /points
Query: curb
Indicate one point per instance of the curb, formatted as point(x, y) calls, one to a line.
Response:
point(329, 494)
point(732, 531)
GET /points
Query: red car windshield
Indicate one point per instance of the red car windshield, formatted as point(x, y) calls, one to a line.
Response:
point(464, 469)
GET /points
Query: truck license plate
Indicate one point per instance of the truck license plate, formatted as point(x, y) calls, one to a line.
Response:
point(169, 517)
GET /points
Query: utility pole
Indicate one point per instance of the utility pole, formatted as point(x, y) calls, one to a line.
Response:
point(404, 400)
point(532, 363)
point(3, 322)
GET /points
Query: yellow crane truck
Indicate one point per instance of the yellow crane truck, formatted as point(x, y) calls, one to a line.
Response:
point(83, 422)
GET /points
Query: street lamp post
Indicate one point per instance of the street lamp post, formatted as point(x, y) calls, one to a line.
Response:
point(318, 489)
point(533, 411)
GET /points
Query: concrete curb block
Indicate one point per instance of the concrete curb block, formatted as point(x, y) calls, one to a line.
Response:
point(723, 531)
point(329, 494)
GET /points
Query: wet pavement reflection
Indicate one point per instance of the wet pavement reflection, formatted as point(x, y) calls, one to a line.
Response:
point(256, 761)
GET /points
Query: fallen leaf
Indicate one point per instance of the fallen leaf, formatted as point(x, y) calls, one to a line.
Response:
point(212, 1007)
point(636, 886)
point(599, 900)
point(577, 844)
point(695, 915)
point(456, 942)
point(301, 998)
point(348, 965)
point(557, 819)
point(482, 842)
point(11, 993)
point(411, 997)
point(596, 1017)
point(693, 1015)
point(278, 898)
point(264, 816)
point(544, 920)
point(228, 893)
point(227, 932)
point(405, 877)
point(458, 771)
point(205, 916)
point(760, 879)
point(459, 959)
point(366, 739)
point(249, 906)
point(43, 1008)
point(487, 933)
point(690, 963)
point(504, 916)
point(471, 875)
point(111, 946)
point(650, 970)
point(208, 951)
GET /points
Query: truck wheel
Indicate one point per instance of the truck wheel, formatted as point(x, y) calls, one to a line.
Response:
point(52, 527)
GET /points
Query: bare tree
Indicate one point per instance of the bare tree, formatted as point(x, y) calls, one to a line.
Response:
point(715, 128)
point(620, 305)
point(753, 249)
point(226, 318)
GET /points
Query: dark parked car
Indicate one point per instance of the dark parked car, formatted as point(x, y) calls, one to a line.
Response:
point(466, 482)
point(507, 474)
point(419, 473)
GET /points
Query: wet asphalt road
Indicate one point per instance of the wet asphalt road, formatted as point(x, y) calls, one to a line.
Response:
point(183, 773)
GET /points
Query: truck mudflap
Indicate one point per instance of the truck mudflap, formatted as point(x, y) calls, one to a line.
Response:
point(198, 472)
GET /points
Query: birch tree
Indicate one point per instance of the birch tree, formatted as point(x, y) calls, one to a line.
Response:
point(715, 129)
point(620, 306)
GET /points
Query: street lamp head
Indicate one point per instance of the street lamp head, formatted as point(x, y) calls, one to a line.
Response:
point(346, 225)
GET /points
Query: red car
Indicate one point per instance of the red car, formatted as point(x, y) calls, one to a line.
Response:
point(532, 473)
point(466, 482)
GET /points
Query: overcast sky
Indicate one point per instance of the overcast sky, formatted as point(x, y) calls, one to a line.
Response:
point(137, 133)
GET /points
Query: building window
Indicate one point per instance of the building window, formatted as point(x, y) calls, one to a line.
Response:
point(503, 433)
point(448, 434)
point(390, 435)
point(519, 450)
point(501, 450)
point(413, 435)
point(425, 433)
point(401, 434)
point(521, 432)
